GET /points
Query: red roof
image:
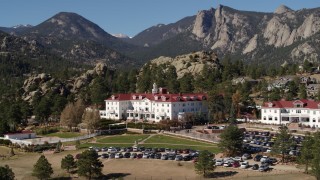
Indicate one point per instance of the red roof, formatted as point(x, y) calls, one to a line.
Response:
point(310, 104)
point(152, 97)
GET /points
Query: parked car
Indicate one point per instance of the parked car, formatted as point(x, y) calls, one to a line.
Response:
point(104, 155)
point(246, 156)
point(178, 157)
point(257, 157)
point(158, 156)
point(104, 149)
point(112, 150)
point(263, 168)
point(255, 167)
point(126, 155)
point(227, 164)
point(135, 149)
point(164, 157)
point(187, 158)
point(236, 164)
point(112, 155)
point(171, 156)
point(119, 155)
point(264, 159)
point(152, 155)
point(145, 155)
point(139, 156)
point(237, 158)
point(133, 155)
point(244, 165)
point(219, 162)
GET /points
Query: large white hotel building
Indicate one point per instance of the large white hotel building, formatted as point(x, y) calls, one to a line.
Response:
point(155, 106)
point(306, 112)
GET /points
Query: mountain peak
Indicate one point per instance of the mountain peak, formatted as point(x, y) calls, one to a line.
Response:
point(282, 9)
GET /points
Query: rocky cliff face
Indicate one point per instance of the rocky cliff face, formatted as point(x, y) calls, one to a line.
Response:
point(41, 84)
point(190, 63)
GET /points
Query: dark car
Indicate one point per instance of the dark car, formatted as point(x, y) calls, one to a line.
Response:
point(257, 157)
point(236, 164)
point(133, 155)
point(126, 155)
point(139, 156)
point(171, 156)
point(104, 155)
point(255, 167)
point(187, 158)
point(152, 155)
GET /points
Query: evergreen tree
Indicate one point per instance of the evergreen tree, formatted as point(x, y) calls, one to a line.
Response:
point(306, 151)
point(231, 141)
point(172, 82)
point(205, 163)
point(283, 143)
point(6, 173)
point(315, 163)
point(186, 83)
point(42, 169)
point(68, 163)
point(89, 165)
point(216, 106)
point(302, 92)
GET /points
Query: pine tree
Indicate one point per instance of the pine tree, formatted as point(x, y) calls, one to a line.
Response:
point(306, 151)
point(89, 165)
point(42, 169)
point(68, 163)
point(231, 141)
point(205, 163)
point(302, 92)
point(283, 143)
point(6, 173)
point(315, 163)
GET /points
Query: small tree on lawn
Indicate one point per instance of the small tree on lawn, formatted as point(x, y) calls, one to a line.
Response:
point(58, 147)
point(231, 140)
point(283, 143)
point(68, 163)
point(78, 144)
point(42, 169)
point(6, 173)
point(205, 163)
point(306, 151)
point(89, 165)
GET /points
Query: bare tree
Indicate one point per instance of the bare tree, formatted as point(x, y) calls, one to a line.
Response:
point(71, 115)
point(91, 118)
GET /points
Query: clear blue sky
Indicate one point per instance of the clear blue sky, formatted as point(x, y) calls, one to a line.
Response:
point(129, 16)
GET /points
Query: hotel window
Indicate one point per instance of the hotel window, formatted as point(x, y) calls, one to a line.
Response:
point(270, 118)
point(314, 112)
point(275, 111)
point(313, 120)
point(276, 118)
point(308, 111)
point(168, 105)
point(298, 111)
point(265, 111)
point(264, 118)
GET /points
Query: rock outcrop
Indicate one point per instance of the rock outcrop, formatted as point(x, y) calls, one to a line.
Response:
point(41, 84)
point(190, 63)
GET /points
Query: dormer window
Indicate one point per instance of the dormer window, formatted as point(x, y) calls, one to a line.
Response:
point(270, 104)
point(134, 97)
point(163, 98)
point(140, 97)
point(298, 104)
point(187, 98)
point(113, 97)
point(156, 98)
point(194, 98)
point(203, 98)
point(178, 98)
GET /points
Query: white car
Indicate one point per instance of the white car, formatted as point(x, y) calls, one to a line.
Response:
point(264, 159)
point(237, 158)
point(135, 149)
point(244, 165)
point(112, 150)
point(227, 164)
point(268, 151)
point(118, 156)
point(219, 162)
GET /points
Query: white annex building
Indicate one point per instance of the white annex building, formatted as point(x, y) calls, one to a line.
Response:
point(305, 112)
point(155, 106)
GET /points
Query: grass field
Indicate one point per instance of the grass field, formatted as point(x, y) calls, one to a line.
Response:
point(64, 134)
point(130, 139)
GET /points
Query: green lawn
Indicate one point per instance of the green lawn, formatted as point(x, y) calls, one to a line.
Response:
point(123, 139)
point(176, 140)
point(64, 134)
point(86, 145)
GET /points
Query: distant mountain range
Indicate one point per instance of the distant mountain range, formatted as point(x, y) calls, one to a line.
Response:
point(254, 37)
